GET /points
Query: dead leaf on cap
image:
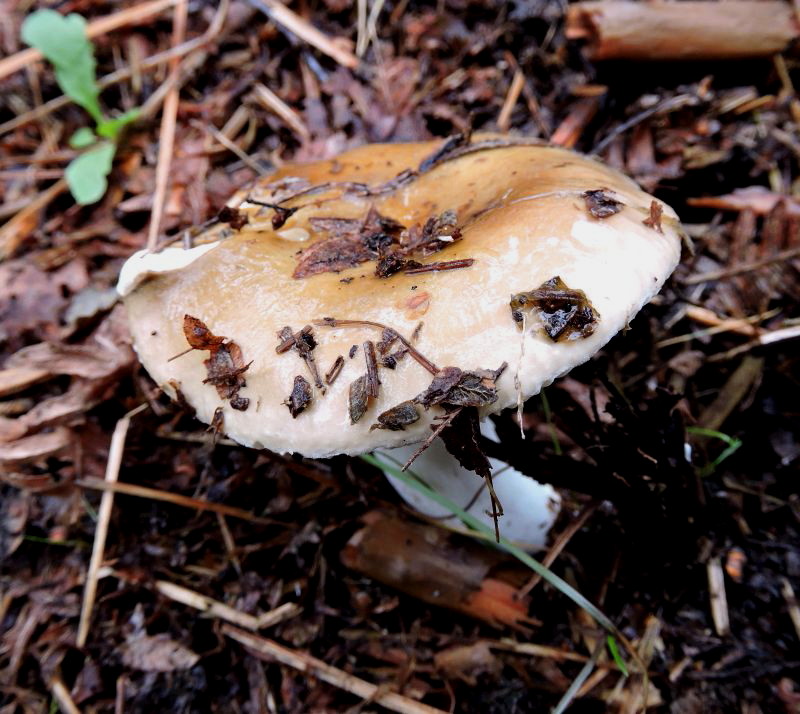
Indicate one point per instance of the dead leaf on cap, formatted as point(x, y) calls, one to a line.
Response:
point(157, 653)
point(416, 305)
point(601, 204)
point(225, 365)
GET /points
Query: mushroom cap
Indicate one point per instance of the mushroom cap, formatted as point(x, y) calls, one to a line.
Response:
point(523, 220)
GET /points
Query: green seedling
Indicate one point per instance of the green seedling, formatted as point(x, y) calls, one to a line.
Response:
point(65, 44)
point(732, 442)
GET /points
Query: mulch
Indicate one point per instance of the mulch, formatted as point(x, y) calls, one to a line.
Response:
point(678, 443)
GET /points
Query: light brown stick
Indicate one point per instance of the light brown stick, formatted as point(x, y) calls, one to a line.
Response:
point(690, 30)
point(166, 136)
point(272, 651)
point(136, 14)
point(103, 518)
point(307, 32)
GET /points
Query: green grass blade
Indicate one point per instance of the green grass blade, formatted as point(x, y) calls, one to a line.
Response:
point(469, 520)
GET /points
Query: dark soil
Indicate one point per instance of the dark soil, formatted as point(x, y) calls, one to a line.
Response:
point(664, 514)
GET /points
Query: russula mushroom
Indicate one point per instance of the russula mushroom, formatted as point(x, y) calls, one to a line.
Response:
point(295, 317)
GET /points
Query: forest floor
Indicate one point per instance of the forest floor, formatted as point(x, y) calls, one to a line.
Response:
point(710, 362)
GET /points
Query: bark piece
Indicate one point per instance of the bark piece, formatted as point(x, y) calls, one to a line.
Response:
point(690, 30)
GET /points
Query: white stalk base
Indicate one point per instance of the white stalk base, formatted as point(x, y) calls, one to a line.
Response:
point(530, 508)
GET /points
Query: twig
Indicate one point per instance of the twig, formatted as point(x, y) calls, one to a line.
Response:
point(130, 489)
point(214, 608)
point(570, 129)
point(514, 90)
point(413, 351)
point(104, 516)
point(128, 16)
point(725, 273)
point(441, 265)
point(271, 101)
point(291, 21)
point(719, 601)
point(440, 427)
point(13, 232)
point(166, 137)
point(559, 545)
point(62, 696)
point(791, 603)
point(270, 651)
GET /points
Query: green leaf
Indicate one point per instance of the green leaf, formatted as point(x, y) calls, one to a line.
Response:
point(63, 41)
point(86, 174)
point(82, 138)
point(111, 128)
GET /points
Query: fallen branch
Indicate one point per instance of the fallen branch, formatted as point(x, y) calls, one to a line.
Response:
point(690, 30)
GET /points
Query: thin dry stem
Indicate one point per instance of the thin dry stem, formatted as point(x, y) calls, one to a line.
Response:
point(313, 667)
point(214, 608)
point(104, 516)
point(166, 136)
point(177, 499)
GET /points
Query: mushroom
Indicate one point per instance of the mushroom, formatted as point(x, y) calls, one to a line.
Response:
point(301, 306)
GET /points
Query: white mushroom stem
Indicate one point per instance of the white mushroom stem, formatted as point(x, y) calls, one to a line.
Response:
point(530, 508)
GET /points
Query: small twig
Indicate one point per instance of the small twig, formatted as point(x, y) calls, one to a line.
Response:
point(103, 518)
point(558, 546)
point(214, 608)
point(271, 101)
point(718, 599)
point(791, 603)
point(166, 136)
point(296, 25)
point(135, 14)
point(512, 97)
point(271, 651)
point(373, 380)
point(177, 499)
point(441, 265)
point(13, 232)
point(725, 273)
point(62, 696)
point(333, 372)
point(413, 351)
point(440, 427)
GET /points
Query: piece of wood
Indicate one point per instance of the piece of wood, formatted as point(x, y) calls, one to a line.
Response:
point(690, 30)
point(438, 567)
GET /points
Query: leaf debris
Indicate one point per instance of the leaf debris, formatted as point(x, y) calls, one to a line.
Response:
point(398, 417)
point(654, 219)
point(564, 313)
point(300, 398)
point(601, 204)
point(225, 365)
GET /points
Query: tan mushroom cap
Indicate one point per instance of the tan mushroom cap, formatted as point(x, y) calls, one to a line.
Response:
point(523, 221)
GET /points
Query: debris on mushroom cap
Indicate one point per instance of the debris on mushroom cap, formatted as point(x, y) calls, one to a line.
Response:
point(511, 214)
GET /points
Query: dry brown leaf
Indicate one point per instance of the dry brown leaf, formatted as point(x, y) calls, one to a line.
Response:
point(468, 662)
point(18, 378)
point(35, 447)
point(157, 653)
